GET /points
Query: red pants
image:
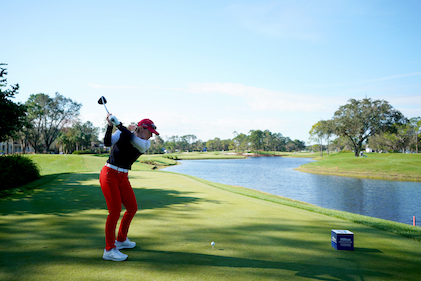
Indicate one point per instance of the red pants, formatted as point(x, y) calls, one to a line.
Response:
point(117, 190)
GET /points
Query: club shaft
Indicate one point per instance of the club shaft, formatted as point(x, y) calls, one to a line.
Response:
point(103, 102)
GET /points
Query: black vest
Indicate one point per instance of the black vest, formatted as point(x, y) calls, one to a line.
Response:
point(123, 154)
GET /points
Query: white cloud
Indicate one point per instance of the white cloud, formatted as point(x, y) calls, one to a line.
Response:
point(112, 87)
point(244, 108)
point(259, 99)
point(174, 123)
point(249, 108)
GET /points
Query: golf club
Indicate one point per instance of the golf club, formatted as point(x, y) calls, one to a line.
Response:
point(103, 101)
point(112, 118)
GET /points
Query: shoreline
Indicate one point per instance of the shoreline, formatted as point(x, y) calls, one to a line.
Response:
point(398, 228)
point(367, 175)
point(389, 176)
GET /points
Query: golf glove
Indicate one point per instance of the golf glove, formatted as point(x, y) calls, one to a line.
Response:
point(113, 120)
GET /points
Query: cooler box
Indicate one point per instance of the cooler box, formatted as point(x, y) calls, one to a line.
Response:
point(343, 240)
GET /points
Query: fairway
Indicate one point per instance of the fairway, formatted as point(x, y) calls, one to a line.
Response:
point(386, 166)
point(56, 232)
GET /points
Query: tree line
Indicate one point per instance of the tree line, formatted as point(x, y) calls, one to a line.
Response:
point(51, 124)
point(44, 123)
point(374, 123)
point(255, 140)
point(48, 123)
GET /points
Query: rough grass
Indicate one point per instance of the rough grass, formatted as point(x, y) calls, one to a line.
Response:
point(388, 166)
point(55, 231)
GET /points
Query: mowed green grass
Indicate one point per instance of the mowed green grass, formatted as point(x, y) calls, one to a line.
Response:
point(56, 232)
point(390, 166)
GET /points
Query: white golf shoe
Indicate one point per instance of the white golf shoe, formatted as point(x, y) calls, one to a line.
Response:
point(125, 245)
point(114, 255)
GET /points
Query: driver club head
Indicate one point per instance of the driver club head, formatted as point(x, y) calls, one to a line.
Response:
point(103, 101)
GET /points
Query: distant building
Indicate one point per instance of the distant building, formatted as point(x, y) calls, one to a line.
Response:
point(11, 147)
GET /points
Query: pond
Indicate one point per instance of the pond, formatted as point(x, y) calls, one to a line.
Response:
point(390, 200)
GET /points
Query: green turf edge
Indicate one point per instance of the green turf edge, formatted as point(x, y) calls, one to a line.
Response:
point(343, 161)
point(401, 229)
point(355, 174)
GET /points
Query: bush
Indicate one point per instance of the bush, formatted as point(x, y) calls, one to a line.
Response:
point(83, 152)
point(173, 157)
point(17, 170)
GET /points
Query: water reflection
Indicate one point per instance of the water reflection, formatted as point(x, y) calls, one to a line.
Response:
point(369, 197)
point(391, 200)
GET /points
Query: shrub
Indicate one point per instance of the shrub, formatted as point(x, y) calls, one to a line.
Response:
point(173, 157)
point(17, 170)
point(83, 152)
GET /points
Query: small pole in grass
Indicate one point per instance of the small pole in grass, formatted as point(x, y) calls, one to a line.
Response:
point(413, 220)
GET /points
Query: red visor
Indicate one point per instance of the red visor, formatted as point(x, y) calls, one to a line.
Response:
point(148, 124)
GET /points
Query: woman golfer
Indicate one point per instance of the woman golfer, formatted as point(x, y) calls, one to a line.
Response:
point(126, 148)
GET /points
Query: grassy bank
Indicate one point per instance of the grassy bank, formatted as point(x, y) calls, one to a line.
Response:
point(289, 154)
point(56, 232)
point(387, 166)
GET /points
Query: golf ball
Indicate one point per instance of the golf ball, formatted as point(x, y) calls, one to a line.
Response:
point(212, 243)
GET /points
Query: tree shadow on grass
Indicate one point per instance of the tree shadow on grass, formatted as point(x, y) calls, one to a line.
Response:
point(309, 255)
point(67, 193)
point(301, 255)
point(303, 269)
point(47, 223)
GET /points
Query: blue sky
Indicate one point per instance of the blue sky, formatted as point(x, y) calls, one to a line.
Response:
point(210, 68)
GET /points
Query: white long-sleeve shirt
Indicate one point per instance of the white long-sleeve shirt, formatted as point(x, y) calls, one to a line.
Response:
point(141, 144)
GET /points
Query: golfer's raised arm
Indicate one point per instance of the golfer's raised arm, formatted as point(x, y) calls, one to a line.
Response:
point(107, 137)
